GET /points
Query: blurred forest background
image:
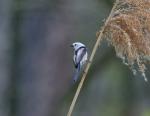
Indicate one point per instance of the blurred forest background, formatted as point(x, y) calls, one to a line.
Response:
point(36, 62)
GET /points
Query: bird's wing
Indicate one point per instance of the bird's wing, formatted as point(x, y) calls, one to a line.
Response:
point(80, 54)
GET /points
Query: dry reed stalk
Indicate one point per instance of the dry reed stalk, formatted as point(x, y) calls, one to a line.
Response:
point(90, 61)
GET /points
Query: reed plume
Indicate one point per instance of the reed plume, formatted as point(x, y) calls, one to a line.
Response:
point(128, 30)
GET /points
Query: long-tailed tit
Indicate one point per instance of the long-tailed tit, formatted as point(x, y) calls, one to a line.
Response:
point(79, 58)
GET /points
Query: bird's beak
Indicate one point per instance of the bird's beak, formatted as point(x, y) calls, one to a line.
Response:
point(71, 45)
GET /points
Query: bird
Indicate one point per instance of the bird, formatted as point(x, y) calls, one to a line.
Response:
point(79, 58)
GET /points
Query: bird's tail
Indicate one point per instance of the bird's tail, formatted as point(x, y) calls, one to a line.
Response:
point(76, 75)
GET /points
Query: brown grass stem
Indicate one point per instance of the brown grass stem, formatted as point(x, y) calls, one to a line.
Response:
point(90, 61)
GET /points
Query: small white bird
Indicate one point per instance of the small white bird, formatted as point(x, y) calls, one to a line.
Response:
point(80, 57)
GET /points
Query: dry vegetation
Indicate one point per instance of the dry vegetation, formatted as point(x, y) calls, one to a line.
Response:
point(128, 30)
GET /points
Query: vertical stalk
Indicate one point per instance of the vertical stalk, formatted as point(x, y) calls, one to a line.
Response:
point(90, 61)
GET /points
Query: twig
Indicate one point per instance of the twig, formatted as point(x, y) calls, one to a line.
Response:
point(90, 61)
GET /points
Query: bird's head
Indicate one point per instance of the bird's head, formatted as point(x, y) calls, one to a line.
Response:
point(77, 45)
